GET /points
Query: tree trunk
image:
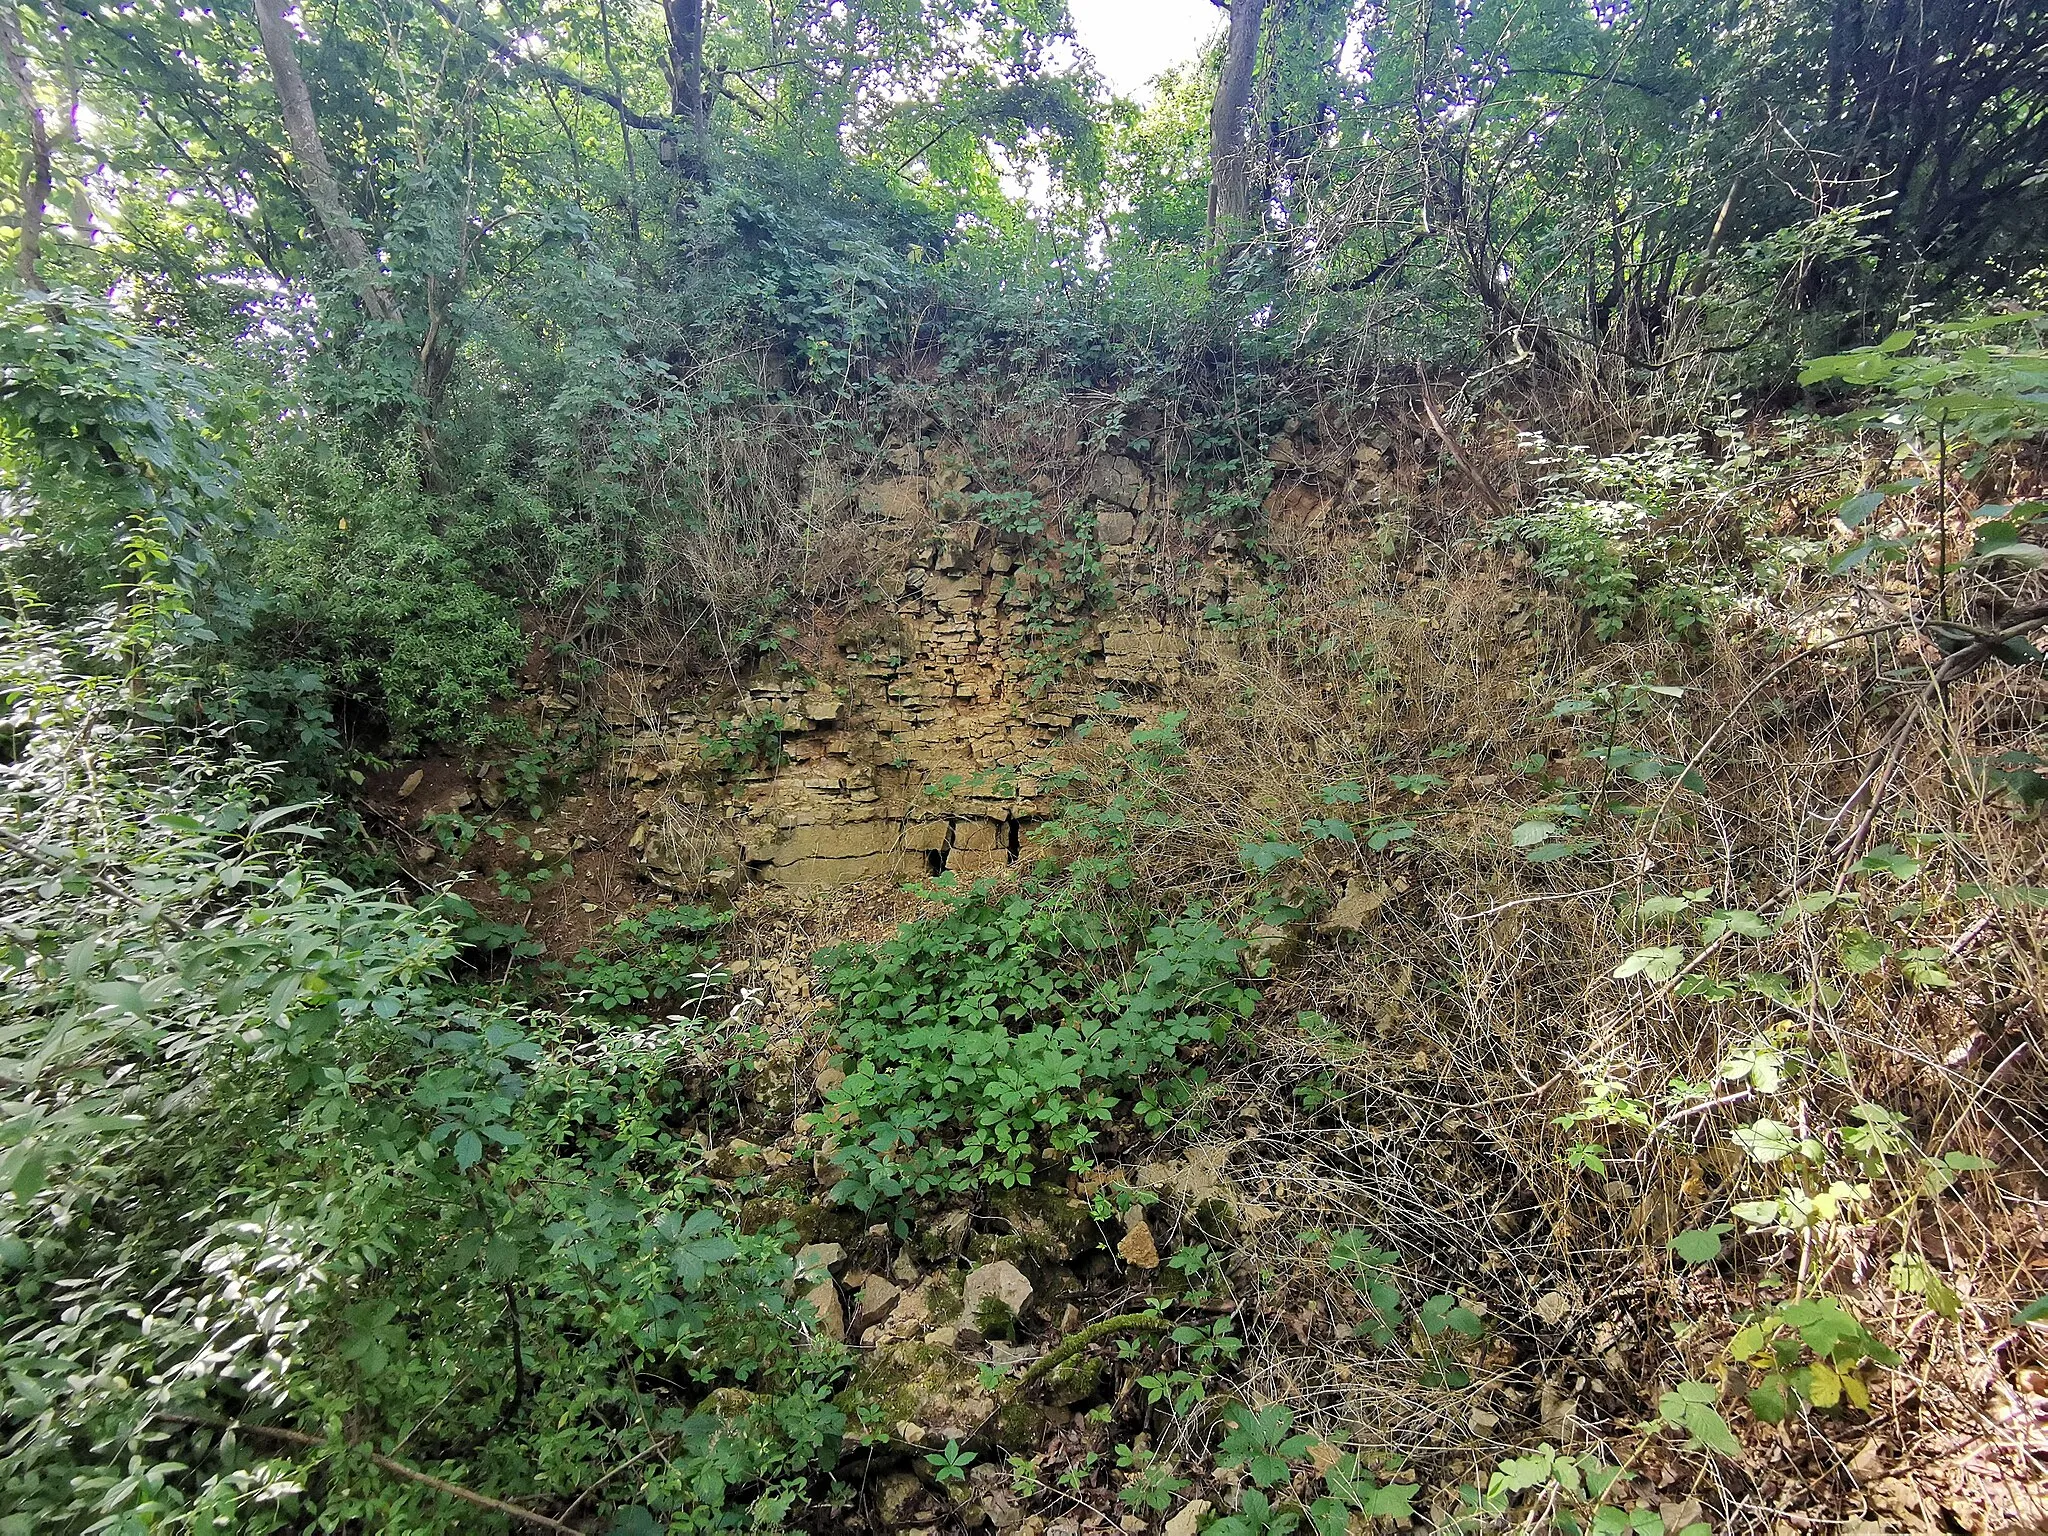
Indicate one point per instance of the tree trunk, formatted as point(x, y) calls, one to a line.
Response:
point(35, 163)
point(1230, 160)
point(686, 76)
point(300, 126)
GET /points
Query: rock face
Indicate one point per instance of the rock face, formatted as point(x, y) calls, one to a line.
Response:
point(914, 741)
point(912, 734)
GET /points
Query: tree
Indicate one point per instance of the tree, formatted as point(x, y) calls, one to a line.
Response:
point(686, 76)
point(351, 252)
point(1230, 153)
point(34, 188)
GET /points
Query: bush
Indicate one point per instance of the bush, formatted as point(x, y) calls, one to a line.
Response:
point(267, 1165)
point(361, 589)
point(1645, 534)
point(665, 958)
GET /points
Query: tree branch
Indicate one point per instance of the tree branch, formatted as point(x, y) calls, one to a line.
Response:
point(384, 1463)
point(303, 129)
point(506, 52)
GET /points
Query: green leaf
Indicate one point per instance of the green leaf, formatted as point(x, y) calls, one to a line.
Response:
point(1390, 1501)
point(1657, 963)
point(1530, 833)
point(1761, 1065)
point(1266, 857)
point(1743, 924)
point(2008, 898)
point(1659, 909)
point(1771, 984)
point(1861, 952)
point(1767, 1140)
point(29, 1171)
point(1388, 832)
point(2032, 1312)
point(1912, 1274)
point(1690, 1406)
point(1518, 1474)
point(1887, 860)
point(1440, 1314)
point(469, 1150)
point(1710, 989)
point(1702, 1245)
point(1768, 1402)
point(1809, 905)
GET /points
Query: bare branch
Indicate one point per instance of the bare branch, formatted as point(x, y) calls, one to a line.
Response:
point(384, 1463)
point(507, 52)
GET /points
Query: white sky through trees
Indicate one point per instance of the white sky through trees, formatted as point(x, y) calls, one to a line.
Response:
point(1135, 40)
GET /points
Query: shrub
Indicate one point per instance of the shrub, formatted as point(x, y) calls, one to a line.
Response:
point(268, 1165)
point(360, 587)
point(665, 958)
point(1646, 533)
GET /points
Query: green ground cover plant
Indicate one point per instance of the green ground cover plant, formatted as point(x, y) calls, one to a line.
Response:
point(1001, 1037)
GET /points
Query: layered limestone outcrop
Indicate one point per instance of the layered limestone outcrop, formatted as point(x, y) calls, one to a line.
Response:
point(918, 734)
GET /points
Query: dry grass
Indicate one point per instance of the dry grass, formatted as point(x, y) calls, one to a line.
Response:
point(1476, 1005)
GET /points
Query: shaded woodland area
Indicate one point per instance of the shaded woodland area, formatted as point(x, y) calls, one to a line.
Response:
point(766, 770)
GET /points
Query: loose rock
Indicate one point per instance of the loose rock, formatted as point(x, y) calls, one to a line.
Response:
point(947, 1235)
point(899, 1499)
point(878, 1298)
point(824, 1300)
point(1001, 1281)
point(999, 1507)
point(1138, 1248)
point(815, 1259)
point(734, 1160)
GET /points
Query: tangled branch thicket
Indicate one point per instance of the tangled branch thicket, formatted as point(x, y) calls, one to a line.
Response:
point(1417, 1066)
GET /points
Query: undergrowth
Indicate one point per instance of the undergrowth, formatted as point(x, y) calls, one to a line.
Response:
point(1005, 1034)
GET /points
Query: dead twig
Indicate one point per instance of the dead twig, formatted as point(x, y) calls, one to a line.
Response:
point(383, 1463)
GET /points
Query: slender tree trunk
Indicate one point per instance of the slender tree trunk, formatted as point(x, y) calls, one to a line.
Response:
point(303, 129)
point(34, 190)
point(686, 75)
point(1230, 167)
